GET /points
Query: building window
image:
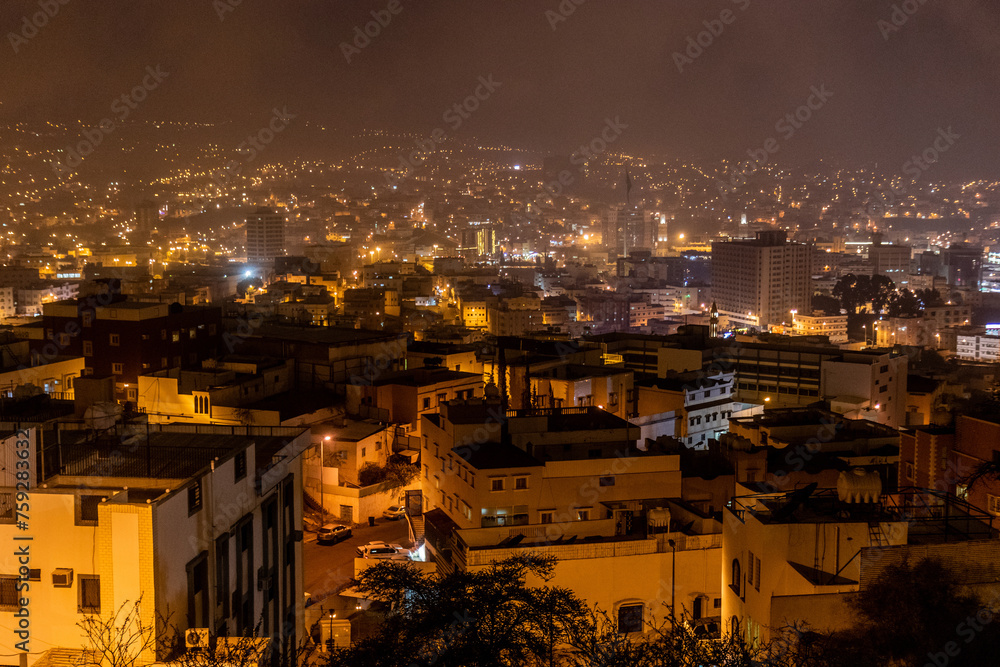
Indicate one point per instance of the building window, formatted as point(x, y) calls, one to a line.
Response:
point(756, 574)
point(88, 348)
point(545, 517)
point(427, 403)
point(364, 451)
point(175, 336)
point(8, 593)
point(85, 510)
point(993, 504)
point(607, 480)
point(194, 497)
point(89, 594)
point(88, 318)
point(583, 515)
point(117, 368)
point(240, 466)
point(630, 618)
point(442, 398)
point(131, 394)
point(496, 484)
point(520, 483)
point(7, 506)
point(750, 569)
point(908, 470)
point(114, 340)
point(734, 584)
point(163, 334)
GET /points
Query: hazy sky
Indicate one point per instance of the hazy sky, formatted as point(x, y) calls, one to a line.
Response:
point(557, 85)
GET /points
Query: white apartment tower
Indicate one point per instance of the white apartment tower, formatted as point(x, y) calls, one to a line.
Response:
point(760, 282)
point(265, 236)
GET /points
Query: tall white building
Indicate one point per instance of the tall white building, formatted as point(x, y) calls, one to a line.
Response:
point(265, 236)
point(204, 529)
point(759, 282)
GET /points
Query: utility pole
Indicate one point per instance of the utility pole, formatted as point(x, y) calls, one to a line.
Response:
point(673, 583)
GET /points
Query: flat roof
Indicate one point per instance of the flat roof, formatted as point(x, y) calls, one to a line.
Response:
point(156, 455)
point(323, 335)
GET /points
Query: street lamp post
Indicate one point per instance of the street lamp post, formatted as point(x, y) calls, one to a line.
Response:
point(673, 581)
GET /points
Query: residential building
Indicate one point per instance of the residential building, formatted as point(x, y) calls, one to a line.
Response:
point(978, 347)
point(202, 529)
point(125, 339)
point(759, 282)
point(265, 236)
point(797, 558)
point(573, 484)
point(962, 265)
point(833, 327)
point(401, 397)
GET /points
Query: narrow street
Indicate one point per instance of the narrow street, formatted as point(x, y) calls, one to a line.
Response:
point(329, 568)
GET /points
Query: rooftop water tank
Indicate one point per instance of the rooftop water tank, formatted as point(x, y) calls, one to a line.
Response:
point(859, 486)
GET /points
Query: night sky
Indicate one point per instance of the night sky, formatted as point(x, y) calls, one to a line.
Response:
point(557, 86)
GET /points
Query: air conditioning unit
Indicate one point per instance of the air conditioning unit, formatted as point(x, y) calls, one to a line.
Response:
point(196, 638)
point(62, 577)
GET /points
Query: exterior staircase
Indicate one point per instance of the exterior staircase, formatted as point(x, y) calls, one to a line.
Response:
point(416, 524)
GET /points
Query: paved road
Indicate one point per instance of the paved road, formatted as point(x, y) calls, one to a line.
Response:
point(328, 568)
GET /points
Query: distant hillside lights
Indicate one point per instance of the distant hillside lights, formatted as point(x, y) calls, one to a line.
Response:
point(610, 133)
point(122, 108)
point(455, 116)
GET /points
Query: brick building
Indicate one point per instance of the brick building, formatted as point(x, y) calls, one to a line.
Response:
point(126, 339)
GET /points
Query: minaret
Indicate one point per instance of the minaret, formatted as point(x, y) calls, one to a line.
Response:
point(713, 322)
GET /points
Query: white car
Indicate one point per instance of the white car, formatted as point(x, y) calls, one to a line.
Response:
point(385, 551)
point(394, 512)
point(361, 550)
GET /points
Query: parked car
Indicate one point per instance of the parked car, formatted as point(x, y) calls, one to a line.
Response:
point(383, 552)
point(394, 512)
point(381, 549)
point(331, 533)
point(361, 548)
